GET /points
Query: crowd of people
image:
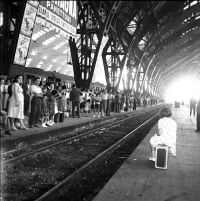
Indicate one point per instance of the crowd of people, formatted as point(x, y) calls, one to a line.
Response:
point(36, 104)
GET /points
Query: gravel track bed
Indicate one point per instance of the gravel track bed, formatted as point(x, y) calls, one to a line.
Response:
point(30, 178)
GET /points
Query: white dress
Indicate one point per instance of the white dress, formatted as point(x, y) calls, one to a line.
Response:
point(168, 137)
point(13, 110)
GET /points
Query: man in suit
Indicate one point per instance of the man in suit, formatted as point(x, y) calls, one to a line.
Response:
point(75, 94)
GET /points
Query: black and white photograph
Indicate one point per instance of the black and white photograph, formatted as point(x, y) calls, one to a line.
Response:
point(99, 100)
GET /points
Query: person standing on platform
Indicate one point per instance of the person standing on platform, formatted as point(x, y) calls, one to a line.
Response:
point(6, 95)
point(16, 103)
point(2, 88)
point(193, 103)
point(198, 116)
point(122, 102)
point(97, 100)
point(104, 97)
point(36, 101)
point(134, 103)
point(117, 102)
point(4, 121)
point(108, 108)
point(87, 107)
point(27, 104)
point(167, 128)
point(75, 94)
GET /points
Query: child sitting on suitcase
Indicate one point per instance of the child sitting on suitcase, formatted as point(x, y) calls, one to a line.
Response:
point(166, 133)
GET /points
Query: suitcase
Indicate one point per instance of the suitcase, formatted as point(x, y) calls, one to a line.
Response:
point(161, 157)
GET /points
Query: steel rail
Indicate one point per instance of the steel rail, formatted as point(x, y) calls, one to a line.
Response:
point(110, 150)
point(5, 162)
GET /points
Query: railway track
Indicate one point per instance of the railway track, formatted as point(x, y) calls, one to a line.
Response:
point(60, 134)
point(46, 144)
point(44, 172)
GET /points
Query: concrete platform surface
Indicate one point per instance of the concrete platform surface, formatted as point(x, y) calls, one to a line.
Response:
point(138, 179)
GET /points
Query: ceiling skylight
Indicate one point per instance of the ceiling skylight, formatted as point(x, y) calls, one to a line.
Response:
point(38, 34)
point(48, 41)
point(59, 45)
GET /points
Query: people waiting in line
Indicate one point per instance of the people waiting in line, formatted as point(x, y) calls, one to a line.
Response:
point(44, 104)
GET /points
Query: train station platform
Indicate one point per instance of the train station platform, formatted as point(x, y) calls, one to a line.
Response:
point(33, 135)
point(138, 179)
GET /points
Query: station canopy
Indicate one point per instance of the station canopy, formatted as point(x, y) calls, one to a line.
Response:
point(161, 36)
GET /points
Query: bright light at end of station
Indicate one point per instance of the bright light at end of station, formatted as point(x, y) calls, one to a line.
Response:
point(183, 90)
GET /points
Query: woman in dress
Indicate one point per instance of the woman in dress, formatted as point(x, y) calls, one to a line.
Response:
point(2, 84)
point(166, 133)
point(16, 103)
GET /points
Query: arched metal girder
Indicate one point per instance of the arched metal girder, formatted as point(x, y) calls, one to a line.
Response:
point(93, 22)
point(114, 56)
point(175, 29)
point(145, 76)
point(85, 50)
point(131, 70)
point(150, 83)
point(152, 40)
point(9, 32)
